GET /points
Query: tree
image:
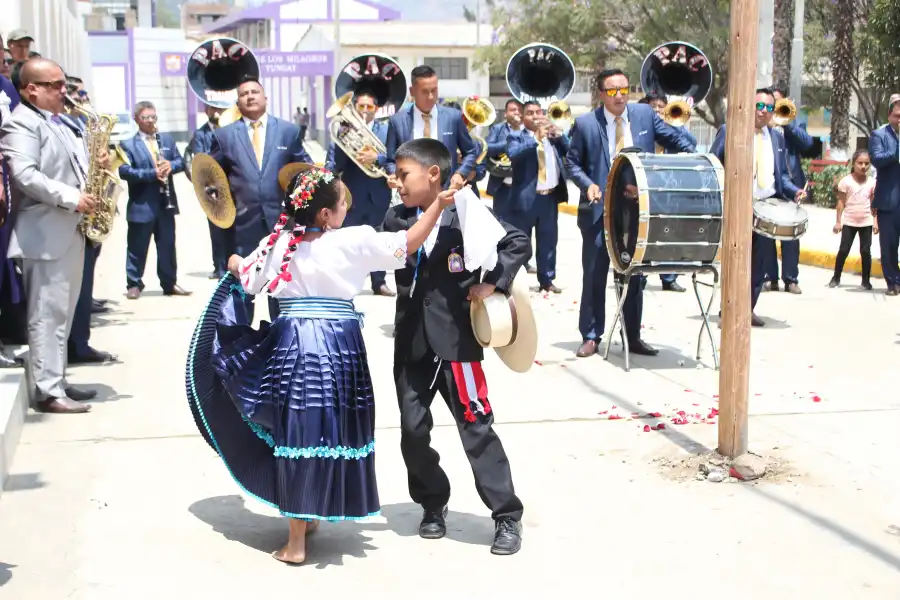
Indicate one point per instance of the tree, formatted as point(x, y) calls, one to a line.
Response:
point(878, 50)
point(782, 43)
point(469, 15)
point(843, 62)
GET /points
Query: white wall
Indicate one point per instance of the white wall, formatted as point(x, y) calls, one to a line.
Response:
point(58, 32)
point(168, 94)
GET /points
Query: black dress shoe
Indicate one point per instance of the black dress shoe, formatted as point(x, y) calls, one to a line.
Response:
point(80, 395)
point(507, 537)
point(641, 347)
point(551, 288)
point(176, 290)
point(384, 290)
point(672, 286)
point(756, 321)
point(530, 269)
point(101, 302)
point(10, 362)
point(434, 524)
point(97, 309)
point(91, 357)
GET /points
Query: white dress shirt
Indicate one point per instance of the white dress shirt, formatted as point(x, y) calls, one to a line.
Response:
point(611, 131)
point(419, 124)
point(549, 165)
point(264, 125)
point(431, 240)
point(767, 163)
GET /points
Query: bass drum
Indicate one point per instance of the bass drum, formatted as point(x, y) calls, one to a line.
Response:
point(664, 210)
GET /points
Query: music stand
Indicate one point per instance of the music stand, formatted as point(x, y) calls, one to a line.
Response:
point(622, 280)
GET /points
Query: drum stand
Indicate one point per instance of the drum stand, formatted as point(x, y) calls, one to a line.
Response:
point(623, 279)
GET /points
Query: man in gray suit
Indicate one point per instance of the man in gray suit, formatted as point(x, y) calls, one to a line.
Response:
point(48, 165)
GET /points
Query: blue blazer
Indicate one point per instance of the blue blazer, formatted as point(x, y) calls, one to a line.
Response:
point(453, 131)
point(496, 143)
point(257, 195)
point(797, 141)
point(366, 191)
point(784, 187)
point(201, 143)
point(522, 151)
point(588, 159)
point(883, 150)
point(145, 200)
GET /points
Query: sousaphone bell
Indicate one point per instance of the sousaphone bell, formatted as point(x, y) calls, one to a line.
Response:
point(682, 73)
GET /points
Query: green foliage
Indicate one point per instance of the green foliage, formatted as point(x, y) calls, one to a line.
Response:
point(823, 185)
point(878, 47)
point(469, 15)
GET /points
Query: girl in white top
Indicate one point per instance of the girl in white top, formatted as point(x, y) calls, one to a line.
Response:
point(290, 408)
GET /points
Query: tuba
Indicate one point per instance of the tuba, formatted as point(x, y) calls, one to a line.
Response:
point(478, 113)
point(215, 70)
point(103, 184)
point(544, 74)
point(681, 72)
point(375, 74)
point(785, 112)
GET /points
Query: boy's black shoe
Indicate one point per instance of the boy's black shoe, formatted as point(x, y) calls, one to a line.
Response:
point(434, 524)
point(507, 537)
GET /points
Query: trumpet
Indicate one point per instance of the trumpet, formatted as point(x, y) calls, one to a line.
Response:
point(559, 113)
point(478, 113)
point(785, 112)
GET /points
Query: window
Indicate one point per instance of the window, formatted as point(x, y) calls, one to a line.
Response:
point(449, 68)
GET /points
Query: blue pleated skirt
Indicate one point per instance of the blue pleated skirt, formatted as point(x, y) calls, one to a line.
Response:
point(289, 407)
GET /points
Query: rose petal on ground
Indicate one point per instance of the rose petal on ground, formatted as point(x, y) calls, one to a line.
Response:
point(646, 428)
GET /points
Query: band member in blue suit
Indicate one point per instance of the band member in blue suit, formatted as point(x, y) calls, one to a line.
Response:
point(658, 103)
point(499, 187)
point(770, 180)
point(883, 149)
point(797, 141)
point(539, 186)
point(201, 143)
point(597, 137)
point(426, 119)
point(152, 160)
point(371, 195)
point(251, 151)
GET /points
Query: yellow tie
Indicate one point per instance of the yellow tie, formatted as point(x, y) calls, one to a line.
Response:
point(542, 162)
point(620, 135)
point(426, 118)
point(764, 179)
point(154, 149)
point(257, 141)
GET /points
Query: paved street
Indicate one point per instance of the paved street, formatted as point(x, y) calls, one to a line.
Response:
point(128, 502)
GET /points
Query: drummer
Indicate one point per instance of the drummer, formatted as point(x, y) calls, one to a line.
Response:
point(770, 180)
point(588, 161)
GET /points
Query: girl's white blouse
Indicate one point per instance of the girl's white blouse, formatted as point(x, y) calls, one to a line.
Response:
point(333, 266)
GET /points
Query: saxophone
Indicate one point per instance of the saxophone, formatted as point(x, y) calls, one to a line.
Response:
point(103, 184)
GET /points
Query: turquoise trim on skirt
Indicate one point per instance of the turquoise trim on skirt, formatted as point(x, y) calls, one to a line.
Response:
point(288, 407)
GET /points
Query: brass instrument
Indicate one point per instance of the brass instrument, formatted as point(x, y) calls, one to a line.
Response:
point(477, 113)
point(682, 73)
point(375, 74)
point(215, 70)
point(785, 112)
point(560, 114)
point(213, 191)
point(103, 184)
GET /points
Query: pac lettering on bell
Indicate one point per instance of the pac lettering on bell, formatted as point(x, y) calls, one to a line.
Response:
point(201, 56)
point(389, 70)
point(217, 51)
point(372, 66)
point(352, 69)
point(237, 51)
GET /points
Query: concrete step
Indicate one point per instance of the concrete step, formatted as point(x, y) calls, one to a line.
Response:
point(13, 408)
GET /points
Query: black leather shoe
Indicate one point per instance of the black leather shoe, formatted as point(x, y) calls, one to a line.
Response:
point(756, 321)
point(530, 269)
point(10, 362)
point(672, 286)
point(434, 524)
point(100, 302)
point(551, 288)
point(91, 357)
point(97, 309)
point(507, 537)
point(641, 347)
point(80, 395)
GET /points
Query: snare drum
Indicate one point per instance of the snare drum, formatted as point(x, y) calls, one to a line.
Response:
point(779, 219)
point(674, 219)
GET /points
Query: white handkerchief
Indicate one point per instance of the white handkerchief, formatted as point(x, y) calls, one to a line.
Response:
point(481, 231)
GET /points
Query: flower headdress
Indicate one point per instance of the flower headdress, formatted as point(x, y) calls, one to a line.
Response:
point(300, 197)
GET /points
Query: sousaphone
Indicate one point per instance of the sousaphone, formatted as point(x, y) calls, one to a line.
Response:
point(682, 73)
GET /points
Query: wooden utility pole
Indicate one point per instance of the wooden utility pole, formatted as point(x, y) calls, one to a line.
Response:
point(734, 376)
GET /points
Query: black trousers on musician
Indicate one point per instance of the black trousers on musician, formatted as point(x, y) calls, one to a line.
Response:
point(848, 234)
point(761, 251)
point(417, 382)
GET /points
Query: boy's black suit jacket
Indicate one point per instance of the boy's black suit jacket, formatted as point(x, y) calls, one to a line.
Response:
point(437, 316)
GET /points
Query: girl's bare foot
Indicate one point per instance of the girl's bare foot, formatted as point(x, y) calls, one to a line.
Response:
point(294, 552)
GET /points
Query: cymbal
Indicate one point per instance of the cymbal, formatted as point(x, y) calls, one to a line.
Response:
point(213, 191)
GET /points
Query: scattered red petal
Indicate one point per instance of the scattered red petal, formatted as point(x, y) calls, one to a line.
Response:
point(654, 414)
point(816, 399)
point(734, 473)
point(564, 366)
point(602, 412)
point(757, 394)
point(689, 391)
point(646, 428)
point(694, 404)
point(614, 406)
point(539, 363)
point(661, 426)
point(715, 395)
point(614, 417)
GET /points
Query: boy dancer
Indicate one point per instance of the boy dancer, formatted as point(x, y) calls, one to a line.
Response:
point(435, 349)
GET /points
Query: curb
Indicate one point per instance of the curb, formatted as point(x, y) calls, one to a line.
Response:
point(13, 409)
point(824, 259)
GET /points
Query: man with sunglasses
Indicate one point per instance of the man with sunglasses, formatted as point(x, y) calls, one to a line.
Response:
point(597, 137)
point(884, 148)
point(48, 166)
point(770, 180)
point(371, 196)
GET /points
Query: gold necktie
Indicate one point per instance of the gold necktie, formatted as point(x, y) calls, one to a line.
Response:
point(257, 141)
point(154, 149)
point(426, 118)
point(764, 179)
point(620, 135)
point(542, 162)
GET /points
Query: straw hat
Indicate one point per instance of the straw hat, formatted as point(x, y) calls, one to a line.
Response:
point(506, 324)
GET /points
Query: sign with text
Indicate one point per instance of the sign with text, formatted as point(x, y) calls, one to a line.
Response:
point(271, 63)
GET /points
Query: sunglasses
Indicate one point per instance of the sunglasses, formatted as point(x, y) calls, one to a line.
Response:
point(611, 92)
point(366, 107)
point(765, 107)
point(61, 83)
point(9, 61)
point(148, 118)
